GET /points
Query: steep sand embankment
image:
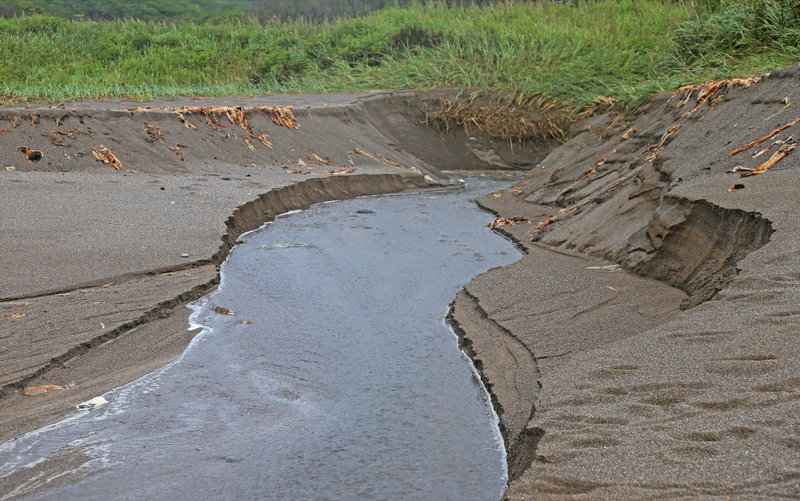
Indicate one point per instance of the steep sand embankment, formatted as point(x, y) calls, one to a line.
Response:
point(660, 394)
point(113, 213)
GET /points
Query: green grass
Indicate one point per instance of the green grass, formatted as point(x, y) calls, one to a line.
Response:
point(626, 50)
point(742, 36)
point(195, 10)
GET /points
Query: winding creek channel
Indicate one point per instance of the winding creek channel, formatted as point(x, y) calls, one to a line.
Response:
point(337, 377)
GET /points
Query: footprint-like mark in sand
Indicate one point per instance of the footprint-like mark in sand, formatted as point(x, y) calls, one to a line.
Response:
point(565, 486)
point(664, 399)
point(792, 443)
point(579, 401)
point(792, 384)
point(749, 358)
point(740, 432)
point(579, 421)
point(721, 405)
point(746, 365)
point(783, 317)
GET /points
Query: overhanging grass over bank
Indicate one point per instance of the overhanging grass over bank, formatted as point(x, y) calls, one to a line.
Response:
point(625, 50)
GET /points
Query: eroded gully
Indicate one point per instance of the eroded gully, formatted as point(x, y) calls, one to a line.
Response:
point(336, 378)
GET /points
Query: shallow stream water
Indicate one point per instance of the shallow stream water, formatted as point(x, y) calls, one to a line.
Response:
point(337, 377)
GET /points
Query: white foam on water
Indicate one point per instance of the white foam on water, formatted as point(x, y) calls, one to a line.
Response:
point(487, 401)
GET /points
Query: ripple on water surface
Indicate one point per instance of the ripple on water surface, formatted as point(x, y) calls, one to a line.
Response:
point(336, 379)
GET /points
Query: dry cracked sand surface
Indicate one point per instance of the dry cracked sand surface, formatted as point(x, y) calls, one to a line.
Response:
point(644, 347)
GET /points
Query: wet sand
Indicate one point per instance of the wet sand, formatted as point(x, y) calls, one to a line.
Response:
point(50, 343)
point(330, 381)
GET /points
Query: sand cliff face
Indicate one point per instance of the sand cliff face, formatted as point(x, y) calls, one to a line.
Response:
point(689, 394)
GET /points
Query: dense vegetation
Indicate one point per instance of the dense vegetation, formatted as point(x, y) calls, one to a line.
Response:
point(155, 10)
point(624, 49)
point(203, 10)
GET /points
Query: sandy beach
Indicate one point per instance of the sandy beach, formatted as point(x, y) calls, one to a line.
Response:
point(644, 347)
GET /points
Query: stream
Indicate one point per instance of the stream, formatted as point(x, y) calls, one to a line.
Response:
point(336, 378)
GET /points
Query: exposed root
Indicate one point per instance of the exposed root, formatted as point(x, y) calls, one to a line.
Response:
point(263, 138)
point(505, 221)
point(154, 132)
point(627, 134)
point(766, 138)
point(249, 143)
point(107, 157)
point(538, 231)
point(359, 150)
point(55, 140)
point(236, 115)
point(514, 118)
point(281, 116)
point(655, 149)
point(182, 118)
point(313, 155)
point(776, 157)
point(709, 93)
point(30, 155)
point(339, 172)
point(592, 171)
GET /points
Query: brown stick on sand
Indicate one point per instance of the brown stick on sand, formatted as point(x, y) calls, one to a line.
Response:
point(774, 159)
point(767, 137)
point(104, 155)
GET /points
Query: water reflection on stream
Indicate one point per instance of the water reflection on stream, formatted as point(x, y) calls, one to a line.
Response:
point(336, 379)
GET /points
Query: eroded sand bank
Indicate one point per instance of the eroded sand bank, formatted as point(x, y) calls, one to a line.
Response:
point(647, 391)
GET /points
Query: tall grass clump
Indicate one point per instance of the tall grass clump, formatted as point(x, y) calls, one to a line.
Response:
point(742, 35)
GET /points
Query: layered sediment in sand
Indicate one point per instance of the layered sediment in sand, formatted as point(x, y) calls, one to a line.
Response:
point(645, 346)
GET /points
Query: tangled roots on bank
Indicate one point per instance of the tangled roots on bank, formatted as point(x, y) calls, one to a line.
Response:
point(508, 116)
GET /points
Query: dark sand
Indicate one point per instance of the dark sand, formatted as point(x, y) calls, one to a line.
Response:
point(648, 392)
point(674, 373)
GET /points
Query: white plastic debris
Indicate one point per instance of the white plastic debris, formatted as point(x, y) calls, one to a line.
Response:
point(92, 404)
point(613, 268)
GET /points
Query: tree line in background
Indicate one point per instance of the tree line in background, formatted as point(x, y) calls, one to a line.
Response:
point(206, 10)
point(269, 10)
